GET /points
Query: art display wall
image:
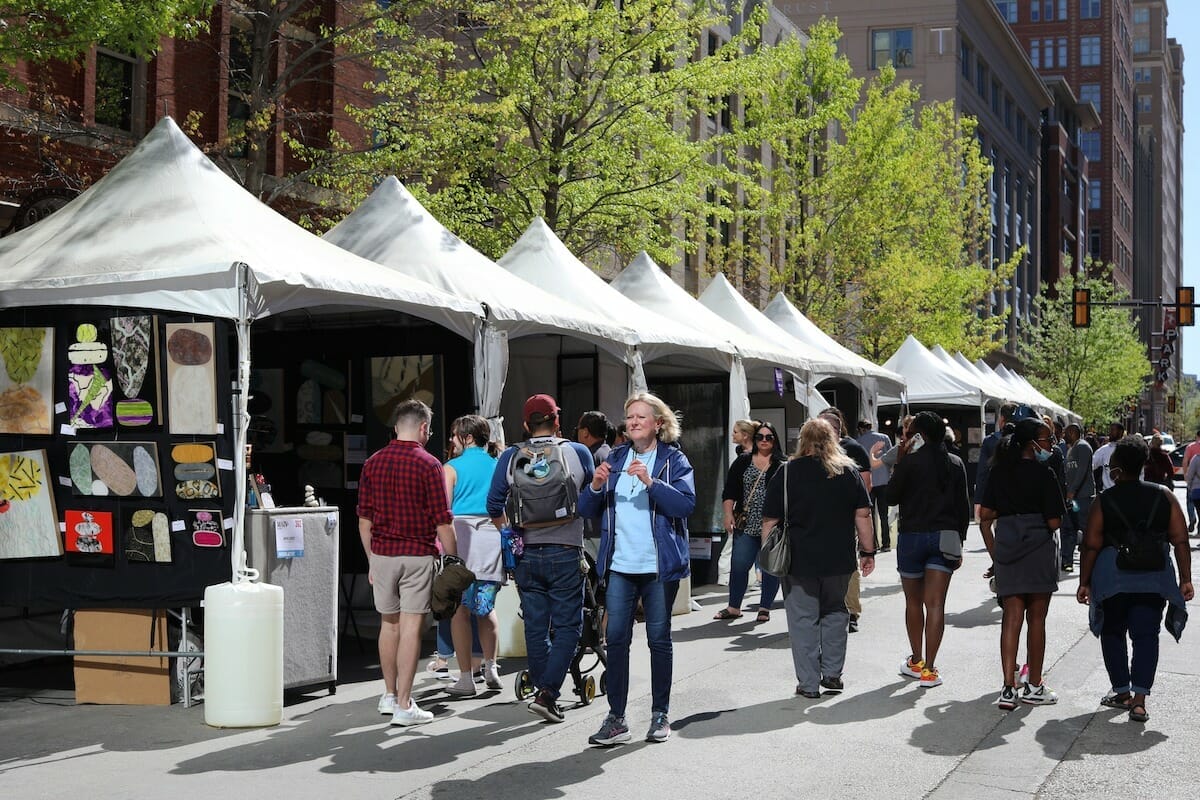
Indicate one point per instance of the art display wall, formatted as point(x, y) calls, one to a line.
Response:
point(116, 457)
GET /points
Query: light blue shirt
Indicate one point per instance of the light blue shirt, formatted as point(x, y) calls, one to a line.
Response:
point(473, 470)
point(634, 552)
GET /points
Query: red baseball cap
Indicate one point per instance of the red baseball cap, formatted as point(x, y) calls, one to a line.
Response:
point(543, 406)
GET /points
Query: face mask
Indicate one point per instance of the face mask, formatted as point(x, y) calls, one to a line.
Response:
point(1042, 455)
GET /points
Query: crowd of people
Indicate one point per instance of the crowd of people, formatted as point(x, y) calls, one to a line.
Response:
point(527, 513)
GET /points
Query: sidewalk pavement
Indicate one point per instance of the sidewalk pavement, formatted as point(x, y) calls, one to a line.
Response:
point(739, 729)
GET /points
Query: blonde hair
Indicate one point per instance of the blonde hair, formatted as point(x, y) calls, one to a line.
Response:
point(818, 439)
point(747, 427)
point(667, 419)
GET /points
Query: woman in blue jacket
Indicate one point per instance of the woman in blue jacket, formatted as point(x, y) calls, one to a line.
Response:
point(643, 494)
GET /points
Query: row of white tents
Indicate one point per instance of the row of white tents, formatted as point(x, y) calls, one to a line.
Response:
point(167, 230)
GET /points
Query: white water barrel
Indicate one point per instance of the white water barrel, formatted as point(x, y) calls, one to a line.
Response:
point(243, 655)
point(511, 627)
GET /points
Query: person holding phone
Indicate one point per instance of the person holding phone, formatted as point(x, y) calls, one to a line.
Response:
point(929, 485)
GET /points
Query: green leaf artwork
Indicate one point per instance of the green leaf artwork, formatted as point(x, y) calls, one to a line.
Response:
point(22, 351)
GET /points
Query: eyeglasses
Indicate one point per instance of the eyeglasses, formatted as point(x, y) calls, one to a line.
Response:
point(764, 437)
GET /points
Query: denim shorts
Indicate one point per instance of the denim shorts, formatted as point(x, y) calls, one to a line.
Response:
point(917, 552)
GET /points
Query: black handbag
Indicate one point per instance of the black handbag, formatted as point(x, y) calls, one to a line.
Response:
point(775, 555)
point(1139, 548)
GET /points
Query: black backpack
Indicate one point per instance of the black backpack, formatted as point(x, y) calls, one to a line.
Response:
point(1139, 547)
point(543, 489)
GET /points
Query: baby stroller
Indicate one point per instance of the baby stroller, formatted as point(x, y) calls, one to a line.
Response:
point(590, 649)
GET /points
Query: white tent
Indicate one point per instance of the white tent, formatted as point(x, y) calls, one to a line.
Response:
point(929, 379)
point(166, 229)
point(539, 257)
point(393, 229)
point(999, 388)
point(988, 388)
point(871, 379)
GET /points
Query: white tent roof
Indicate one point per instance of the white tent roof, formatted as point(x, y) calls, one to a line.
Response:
point(929, 379)
point(1031, 395)
point(392, 228)
point(166, 229)
point(781, 311)
point(539, 257)
point(723, 299)
point(989, 388)
point(999, 389)
point(648, 286)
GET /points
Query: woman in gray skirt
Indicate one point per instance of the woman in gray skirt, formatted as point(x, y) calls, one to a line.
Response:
point(1021, 507)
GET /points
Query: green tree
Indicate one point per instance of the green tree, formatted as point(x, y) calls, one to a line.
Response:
point(1093, 371)
point(43, 30)
point(580, 111)
point(1184, 421)
point(871, 208)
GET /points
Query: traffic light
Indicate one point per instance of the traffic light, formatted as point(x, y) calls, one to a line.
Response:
point(1082, 316)
point(1171, 404)
point(1185, 299)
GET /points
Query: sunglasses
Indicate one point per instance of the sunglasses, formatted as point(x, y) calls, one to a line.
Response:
point(764, 437)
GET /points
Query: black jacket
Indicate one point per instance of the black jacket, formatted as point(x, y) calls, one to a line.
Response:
point(734, 490)
point(923, 509)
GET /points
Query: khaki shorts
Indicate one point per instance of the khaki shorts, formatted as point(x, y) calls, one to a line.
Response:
point(401, 584)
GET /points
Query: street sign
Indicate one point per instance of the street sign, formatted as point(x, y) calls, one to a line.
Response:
point(1161, 376)
point(1171, 334)
point(1167, 349)
point(1164, 364)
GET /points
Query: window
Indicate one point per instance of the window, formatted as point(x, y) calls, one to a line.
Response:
point(1145, 102)
point(1062, 52)
point(1089, 51)
point(1008, 112)
point(1141, 16)
point(1008, 10)
point(114, 89)
point(1094, 195)
point(1062, 9)
point(1089, 143)
point(981, 78)
point(1035, 53)
point(1035, 8)
point(1048, 53)
point(1141, 45)
point(1094, 243)
point(996, 98)
point(1021, 126)
point(964, 58)
point(1089, 9)
point(895, 46)
point(1143, 75)
point(1090, 93)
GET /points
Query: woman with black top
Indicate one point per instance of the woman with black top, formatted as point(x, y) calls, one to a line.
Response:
point(1023, 505)
point(930, 486)
point(1127, 592)
point(745, 488)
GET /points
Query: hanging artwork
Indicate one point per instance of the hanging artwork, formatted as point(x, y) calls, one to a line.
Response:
point(28, 521)
point(395, 378)
point(320, 460)
point(196, 471)
point(89, 383)
point(191, 378)
point(265, 405)
point(321, 397)
point(123, 469)
point(89, 532)
point(207, 528)
point(27, 381)
point(147, 536)
point(135, 357)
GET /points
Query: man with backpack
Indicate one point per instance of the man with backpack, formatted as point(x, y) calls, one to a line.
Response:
point(535, 491)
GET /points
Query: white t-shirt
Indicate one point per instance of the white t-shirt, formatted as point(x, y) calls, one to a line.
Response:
point(1100, 460)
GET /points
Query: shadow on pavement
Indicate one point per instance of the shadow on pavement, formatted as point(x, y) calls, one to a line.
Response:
point(1107, 732)
point(988, 612)
point(959, 727)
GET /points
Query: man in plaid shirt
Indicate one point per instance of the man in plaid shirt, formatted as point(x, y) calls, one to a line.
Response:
point(403, 512)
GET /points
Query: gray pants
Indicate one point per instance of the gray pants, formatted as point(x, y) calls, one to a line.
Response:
point(818, 626)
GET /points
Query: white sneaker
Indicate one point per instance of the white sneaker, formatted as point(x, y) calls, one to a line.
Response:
point(413, 715)
point(464, 687)
point(491, 675)
point(387, 704)
point(1038, 695)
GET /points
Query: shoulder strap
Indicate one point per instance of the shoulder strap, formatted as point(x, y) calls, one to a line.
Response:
point(785, 494)
point(754, 488)
point(1128, 529)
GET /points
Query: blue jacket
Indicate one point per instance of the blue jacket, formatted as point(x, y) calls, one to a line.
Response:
point(672, 500)
point(1109, 580)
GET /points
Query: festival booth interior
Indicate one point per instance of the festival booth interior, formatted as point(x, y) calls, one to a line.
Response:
point(858, 376)
point(934, 386)
point(126, 335)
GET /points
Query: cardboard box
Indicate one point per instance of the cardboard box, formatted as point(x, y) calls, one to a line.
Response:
point(121, 680)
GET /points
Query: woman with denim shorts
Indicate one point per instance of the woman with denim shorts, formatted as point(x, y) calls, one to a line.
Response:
point(929, 485)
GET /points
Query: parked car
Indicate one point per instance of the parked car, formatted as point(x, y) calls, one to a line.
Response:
point(1167, 439)
point(1177, 461)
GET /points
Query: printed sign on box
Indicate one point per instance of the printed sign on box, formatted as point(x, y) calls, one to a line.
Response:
point(289, 538)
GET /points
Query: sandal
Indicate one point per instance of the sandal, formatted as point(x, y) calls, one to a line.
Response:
point(1139, 716)
point(1117, 700)
point(763, 616)
point(725, 613)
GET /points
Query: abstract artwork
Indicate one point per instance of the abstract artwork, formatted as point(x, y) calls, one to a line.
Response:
point(147, 536)
point(28, 521)
point(321, 397)
point(266, 411)
point(89, 532)
point(89, 382)
point(207, 528)
point(135, 357)
point(123, 469)
point(392, 379)
point(27, 381)
point(196, 471)
point(191, 378)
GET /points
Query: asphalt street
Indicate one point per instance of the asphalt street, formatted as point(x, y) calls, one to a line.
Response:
point(739, 729)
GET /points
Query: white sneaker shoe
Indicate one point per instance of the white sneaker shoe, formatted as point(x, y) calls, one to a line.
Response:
point(387, 704)
point(1038, 695)
point(413, 715)
point(491, 675)
point(464, 687)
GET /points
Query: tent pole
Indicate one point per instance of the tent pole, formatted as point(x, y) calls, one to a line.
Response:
point(241, 423)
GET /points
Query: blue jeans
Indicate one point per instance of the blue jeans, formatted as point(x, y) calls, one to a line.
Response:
point(551, 585)
point(1139, 616)
point(745, 556)
point(445, 646)
point(621, 598)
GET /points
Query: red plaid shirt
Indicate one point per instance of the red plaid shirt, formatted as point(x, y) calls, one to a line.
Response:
point(402, 491)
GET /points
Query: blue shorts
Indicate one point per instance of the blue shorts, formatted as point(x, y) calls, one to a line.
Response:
point(917, 552)
point(480, 597)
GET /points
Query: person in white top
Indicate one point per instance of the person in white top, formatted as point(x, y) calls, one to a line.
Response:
point(1100, 458)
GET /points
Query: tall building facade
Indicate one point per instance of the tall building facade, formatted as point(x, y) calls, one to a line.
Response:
point(963, 50)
